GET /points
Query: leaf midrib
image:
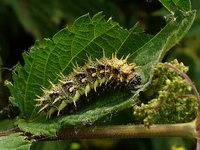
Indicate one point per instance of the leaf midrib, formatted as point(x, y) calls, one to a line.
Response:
point(27, 81)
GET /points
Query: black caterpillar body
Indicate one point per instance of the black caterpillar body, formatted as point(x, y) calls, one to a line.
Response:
point(84, 79)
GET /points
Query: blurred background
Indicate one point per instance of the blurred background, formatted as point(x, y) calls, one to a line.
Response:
point(24, 21)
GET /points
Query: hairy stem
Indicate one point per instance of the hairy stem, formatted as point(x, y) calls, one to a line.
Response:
point(127, 131)
point(118, 131)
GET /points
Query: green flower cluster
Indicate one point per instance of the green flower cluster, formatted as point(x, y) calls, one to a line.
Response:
point(169, 98)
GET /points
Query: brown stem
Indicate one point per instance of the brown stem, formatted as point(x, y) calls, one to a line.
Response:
point(7, 133)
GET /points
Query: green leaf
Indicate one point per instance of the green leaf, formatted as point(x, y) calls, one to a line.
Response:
point(171, 5)
point(89, 36)
point(15, 142)
point(93, 34)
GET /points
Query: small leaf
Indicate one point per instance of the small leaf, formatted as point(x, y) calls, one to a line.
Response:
point(15, 142)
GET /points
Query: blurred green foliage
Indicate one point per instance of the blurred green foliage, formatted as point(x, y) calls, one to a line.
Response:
point(22, 22)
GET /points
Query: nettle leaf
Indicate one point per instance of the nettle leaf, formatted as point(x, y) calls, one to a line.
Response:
point(15, 142)
point(89, 36)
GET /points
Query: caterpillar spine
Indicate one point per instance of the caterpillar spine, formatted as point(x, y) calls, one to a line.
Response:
point(82, 80)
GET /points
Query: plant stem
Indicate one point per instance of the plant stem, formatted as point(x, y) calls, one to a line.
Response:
point(7, 133)
point(128, 131)
point(118, 131)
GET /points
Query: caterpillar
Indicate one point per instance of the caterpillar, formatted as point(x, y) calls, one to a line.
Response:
point(94, 74)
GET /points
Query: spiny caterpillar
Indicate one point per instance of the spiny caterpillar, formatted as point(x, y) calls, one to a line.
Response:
point(94, 74)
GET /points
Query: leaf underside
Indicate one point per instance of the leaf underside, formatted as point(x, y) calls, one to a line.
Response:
point(89, 36)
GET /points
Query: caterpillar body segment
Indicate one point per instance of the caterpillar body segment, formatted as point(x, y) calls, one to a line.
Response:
point(83, 80)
